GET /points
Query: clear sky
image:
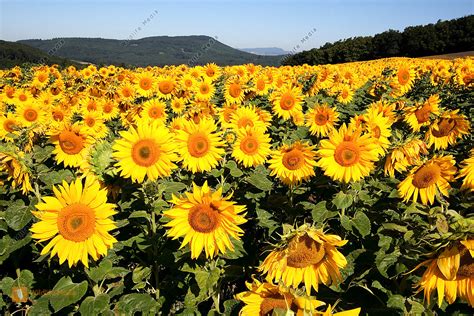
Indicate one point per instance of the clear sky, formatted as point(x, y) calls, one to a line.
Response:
point(240, 23)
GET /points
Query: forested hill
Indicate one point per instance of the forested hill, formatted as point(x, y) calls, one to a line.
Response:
point(443, 37)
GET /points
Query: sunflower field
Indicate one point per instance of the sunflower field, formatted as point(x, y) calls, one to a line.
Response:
point(243, 190)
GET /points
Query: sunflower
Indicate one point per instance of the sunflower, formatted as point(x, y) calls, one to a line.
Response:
point(261, 87)
point(427, 179)
point(149, 150)
point(467, 171)
point(321, 120)
point(76, 219)
point(9, 126)
point(266, 298)
point(13, 163)
point(378, 126)
point(58, 115)
point(404, 155)
point(154, 110)
point(345, 94)
point(145, 84)
point(246, 116)
point(89, 104)
point(206, 219)
point(72, 144)
point(293, 163)
point(451, 274)
point(204, 90)
point(234, 91)
point(286, 101)
point(419, 115)
point(109, 108)
point(447, 129)
point(166, 87)
point(252, 146)
point(347, 155)
point(199, 145)
point(405, 77)
point(22, 97)
point(94, 125)
point(178, 105)
point(211, 71)
point(307, 256)
point(126, 92)
point(29, 114)
point(330, 312)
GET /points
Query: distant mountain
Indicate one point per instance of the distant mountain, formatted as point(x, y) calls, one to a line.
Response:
point(267, 51)
point(158, 50)
point(13, 54)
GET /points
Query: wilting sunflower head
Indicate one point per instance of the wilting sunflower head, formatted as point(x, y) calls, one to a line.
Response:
point(347, 155)
point(293, 163)
point(447, 129)
point(427, 179)
point(16, 167)
point(264, 298)
point(467, 171)
point(305, 255)
point(404, 155)
point(420, 114)
point(451, 273)
point(207, 221)
point(76, 219)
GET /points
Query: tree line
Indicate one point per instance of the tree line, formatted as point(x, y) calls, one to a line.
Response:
point(443, 37)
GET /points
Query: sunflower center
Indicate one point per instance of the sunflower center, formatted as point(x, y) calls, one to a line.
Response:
point(287, 102)
point(145, 152)
point(42, 77)
point(293, 159)
point(70, 142)
point(321, 119)
point(198, 145)
point(23, 97)
point(466, 266)
point(345, 94)
point(423, 114)
point(244, 122)
point(126, 92)
point(376, 132)
point(304, 251)
point(249, 145)
point(108, 108)
point(260, 84)
point(145, 83)
point(92, 106)
point(269, 304)
point(90, 121)
point(347, 154)
point(30, 115)
point(203, 218)
point(166, 87)
point(9, 126)
point(403, 76)
point(235, 90)
point(76, 222)
point(445, 127)
point(155, 112)
point(58, 116)
point(210, 72)
point(426, 176)
point(204, 89)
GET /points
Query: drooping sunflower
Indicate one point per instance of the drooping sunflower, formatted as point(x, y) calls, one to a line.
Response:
point(76, 219)
point(307, 256)
point(13, 163)
point(263, 298)
point(321, 120)
point(199, 145)
point(252, 146)
point(447, 129)
point(206, 220)
point(347, 155)
point(293, 163)
point(147, 150)
point(426, 179)
point(72, 144)
point(467, 171)
point(451, 274)
point(286, 101)
point(419, 115)
point(404, 155)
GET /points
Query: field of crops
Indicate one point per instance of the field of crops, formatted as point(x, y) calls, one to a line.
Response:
point(308, 190)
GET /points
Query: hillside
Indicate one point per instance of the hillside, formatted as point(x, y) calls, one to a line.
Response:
point(13, 54)
point(442, 37)
point(158, 50)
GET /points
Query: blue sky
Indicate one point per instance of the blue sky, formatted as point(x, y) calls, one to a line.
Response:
point(243, 23)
